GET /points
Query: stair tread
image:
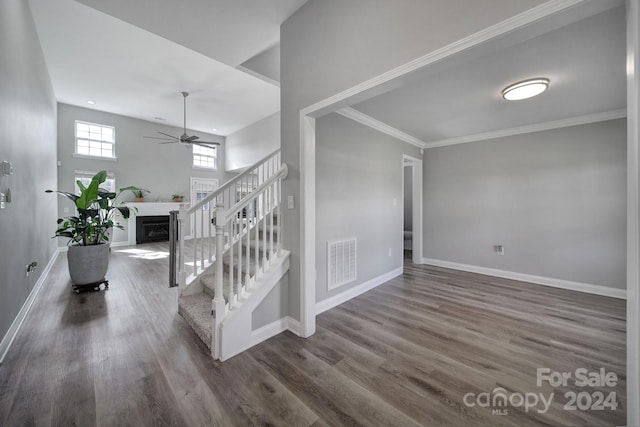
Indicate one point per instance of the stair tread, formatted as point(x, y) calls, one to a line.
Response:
point(196, 310)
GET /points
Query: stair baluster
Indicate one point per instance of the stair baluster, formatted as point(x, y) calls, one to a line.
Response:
point(250, 201)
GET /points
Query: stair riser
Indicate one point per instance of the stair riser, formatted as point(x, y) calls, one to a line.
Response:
point(203, 332)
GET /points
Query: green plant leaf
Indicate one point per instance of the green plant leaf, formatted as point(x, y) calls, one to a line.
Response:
point(106, 194)
point(70, 196)
point(90, 194)
point(124, 211)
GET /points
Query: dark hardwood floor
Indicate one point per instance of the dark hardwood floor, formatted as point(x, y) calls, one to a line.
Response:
point(404, 354)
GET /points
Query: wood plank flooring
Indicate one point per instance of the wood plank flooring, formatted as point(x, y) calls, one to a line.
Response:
point(404, 354)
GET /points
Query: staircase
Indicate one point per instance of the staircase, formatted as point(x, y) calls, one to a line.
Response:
point(239, 221)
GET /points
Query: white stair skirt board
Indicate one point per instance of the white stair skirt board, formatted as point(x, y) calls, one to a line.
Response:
point(7, 340)
point(538, 280)
point(236, 335)
point(360, 289)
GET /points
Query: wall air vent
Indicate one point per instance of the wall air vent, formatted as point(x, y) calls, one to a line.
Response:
point(341, 263)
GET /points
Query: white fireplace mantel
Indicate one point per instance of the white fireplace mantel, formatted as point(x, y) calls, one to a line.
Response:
point(148, 209)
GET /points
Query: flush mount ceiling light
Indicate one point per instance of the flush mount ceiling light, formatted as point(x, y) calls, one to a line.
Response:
point(525, 89)
point(91, 102)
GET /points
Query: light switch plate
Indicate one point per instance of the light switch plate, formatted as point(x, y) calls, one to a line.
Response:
point(290, 202)
point(3, 199)
point(6, 168)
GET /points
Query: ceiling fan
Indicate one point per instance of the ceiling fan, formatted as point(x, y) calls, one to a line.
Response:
point(184, 138)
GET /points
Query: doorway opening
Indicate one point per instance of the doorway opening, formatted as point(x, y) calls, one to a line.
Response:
point(412, 208)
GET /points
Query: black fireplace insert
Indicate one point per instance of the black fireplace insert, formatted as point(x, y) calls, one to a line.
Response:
point(152, 229)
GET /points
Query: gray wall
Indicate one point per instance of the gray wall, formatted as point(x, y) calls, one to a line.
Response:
point(249, 145)
point(358, 194)
point(556, 200)
point(331, 45)
point(28, 140)
point(162, 169)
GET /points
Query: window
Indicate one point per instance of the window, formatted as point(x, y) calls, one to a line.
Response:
point(205, 157)
point(85, 178)
point(95, 140)
point(201, 188)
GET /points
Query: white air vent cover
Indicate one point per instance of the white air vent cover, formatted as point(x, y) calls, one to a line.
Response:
point(341, 263)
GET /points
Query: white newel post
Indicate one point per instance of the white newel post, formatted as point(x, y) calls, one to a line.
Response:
point(217, 305)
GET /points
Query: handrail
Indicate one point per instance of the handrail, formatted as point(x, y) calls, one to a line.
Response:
point(232, 211)
point(235, 233)
point(230, 183)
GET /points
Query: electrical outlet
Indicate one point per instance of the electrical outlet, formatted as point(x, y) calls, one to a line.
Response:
point(31, 268)
point(499, 249)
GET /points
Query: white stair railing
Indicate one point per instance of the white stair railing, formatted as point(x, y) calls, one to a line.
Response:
point(249, 256)
point(215, 223)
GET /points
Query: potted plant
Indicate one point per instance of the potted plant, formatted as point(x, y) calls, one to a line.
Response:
point(177, 198)
point(88, 231)
point(139, 193)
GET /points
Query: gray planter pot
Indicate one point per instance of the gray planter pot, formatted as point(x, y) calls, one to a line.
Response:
point(88, 264)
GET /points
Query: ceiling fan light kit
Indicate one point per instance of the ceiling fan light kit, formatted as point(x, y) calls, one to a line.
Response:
point(184, 138)
point(525, 89)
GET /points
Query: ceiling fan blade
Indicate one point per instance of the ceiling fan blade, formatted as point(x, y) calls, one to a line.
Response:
point(170, 136)
point(204, 143)
point(156, 137)
point(192, 138)
point(169, 142)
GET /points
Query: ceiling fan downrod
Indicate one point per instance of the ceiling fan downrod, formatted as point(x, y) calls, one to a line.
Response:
point(184, 132)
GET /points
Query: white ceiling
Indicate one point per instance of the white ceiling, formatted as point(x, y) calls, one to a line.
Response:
point(191, 45)
point(584, 60)
point(231, 31)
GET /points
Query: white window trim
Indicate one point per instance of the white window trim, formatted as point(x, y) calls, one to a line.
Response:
point(194, 181)
point(205, 167)
point(85, 156)
point(88, 156)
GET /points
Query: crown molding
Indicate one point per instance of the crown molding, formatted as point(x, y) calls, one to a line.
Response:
point(518, 21)
point(366, 120)
point(258, 75)
point(538, 127)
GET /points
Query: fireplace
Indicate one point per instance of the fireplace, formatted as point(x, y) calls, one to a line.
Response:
point(152, 229)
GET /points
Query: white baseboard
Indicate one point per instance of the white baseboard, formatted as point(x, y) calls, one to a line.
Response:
point(294, 326)
point(120, 244)
point(539, 280)
point(11, 334)
point(345, 296)
point(274, 328)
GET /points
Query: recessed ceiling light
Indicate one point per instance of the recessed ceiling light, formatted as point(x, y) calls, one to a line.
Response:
point(91, 102)
point(159, 118)
point(525, 89)
point(214, 129)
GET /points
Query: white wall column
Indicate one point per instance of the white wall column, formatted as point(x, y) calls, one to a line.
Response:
point(633, 217)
